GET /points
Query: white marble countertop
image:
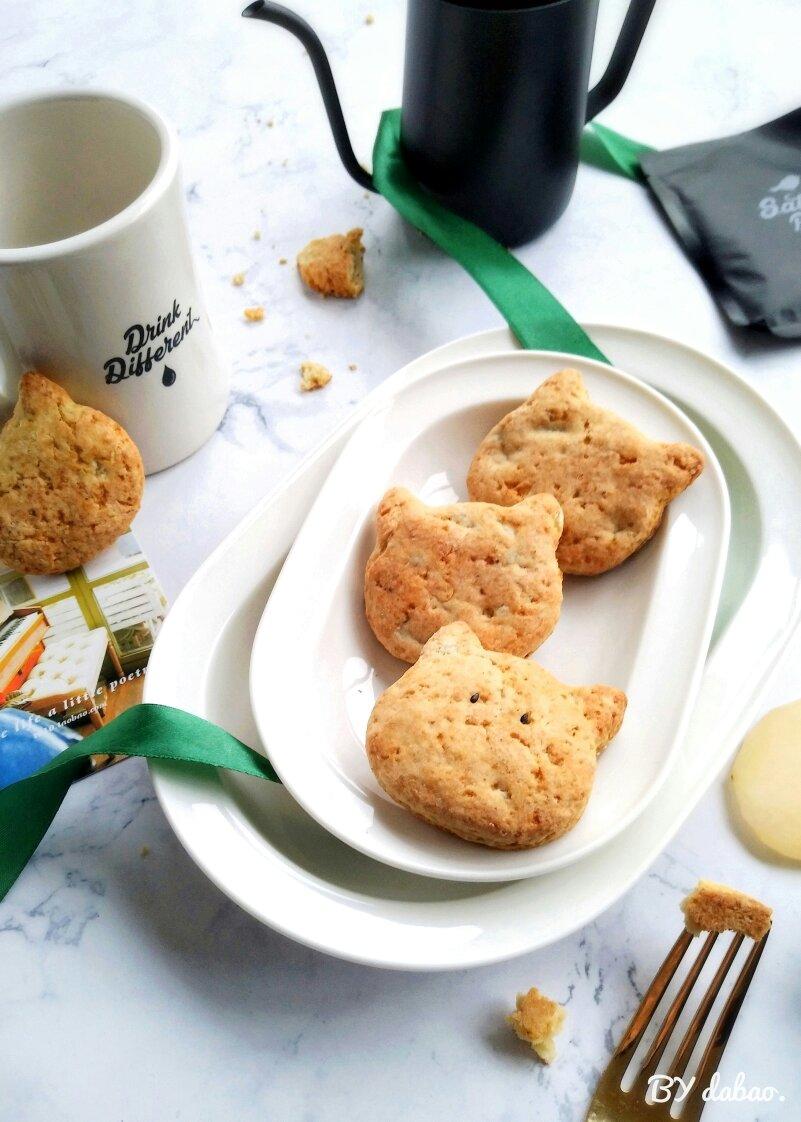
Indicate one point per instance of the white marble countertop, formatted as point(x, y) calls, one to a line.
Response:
point(131, 990)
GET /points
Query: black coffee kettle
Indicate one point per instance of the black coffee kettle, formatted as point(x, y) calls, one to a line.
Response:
point(494, 101)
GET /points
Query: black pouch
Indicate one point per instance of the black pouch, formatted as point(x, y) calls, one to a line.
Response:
point(735, 205)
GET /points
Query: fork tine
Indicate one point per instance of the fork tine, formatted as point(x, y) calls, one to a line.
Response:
point(695, 1028)
point(659, 1043)
point(641, 1019)
point(694, 1103)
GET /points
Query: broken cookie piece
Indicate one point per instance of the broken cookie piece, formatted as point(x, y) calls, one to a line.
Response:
point(716, 907)
point(537, 1020)
point(333, 266)
point(313, 376)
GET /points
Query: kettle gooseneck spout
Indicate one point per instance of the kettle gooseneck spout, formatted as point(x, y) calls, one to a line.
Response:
point(283, 17)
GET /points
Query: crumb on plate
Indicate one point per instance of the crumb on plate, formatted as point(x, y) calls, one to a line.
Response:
point(537, 1020)
point(368, 19)
point(256, 235)
point(313, 376)
point(255, 314)
point(238, 279)
point(352, 366)
point(716, 907)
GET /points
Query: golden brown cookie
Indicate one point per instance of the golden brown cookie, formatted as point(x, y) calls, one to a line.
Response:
point(334, 266)
point(613, 483)
point(71, 480)
point(537, 1020)
point(716, 907)
point(489, 746)
point(491, 566)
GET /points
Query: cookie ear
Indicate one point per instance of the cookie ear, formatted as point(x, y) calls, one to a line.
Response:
point(395, 500)
point(565, 387)
point(549, 505)
point(37, 393)
point(604, 707)
point(683, 464)
point(454, 640)
point(395, 497)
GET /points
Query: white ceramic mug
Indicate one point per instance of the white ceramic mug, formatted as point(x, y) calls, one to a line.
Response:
point(97, 286)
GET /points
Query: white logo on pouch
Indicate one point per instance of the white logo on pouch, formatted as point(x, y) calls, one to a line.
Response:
point(789, 204)
point(664, 1086)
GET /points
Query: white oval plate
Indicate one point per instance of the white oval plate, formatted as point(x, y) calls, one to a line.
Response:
point(317, 669)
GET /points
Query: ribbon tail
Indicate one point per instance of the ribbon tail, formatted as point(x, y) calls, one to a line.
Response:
point(536, 317)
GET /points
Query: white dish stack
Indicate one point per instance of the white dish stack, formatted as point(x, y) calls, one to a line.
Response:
point(254, 840)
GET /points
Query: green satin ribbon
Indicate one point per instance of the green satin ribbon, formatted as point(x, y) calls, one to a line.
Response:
point(536, 317)
point(604, 148)
point(539, 321)
point(156, 732)
point(534, 314)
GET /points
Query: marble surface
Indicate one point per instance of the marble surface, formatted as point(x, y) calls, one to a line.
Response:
point(130, 988)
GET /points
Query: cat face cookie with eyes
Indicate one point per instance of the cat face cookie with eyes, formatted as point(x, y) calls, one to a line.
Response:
point(490, 566)
point(612, 482)
point(490, 746)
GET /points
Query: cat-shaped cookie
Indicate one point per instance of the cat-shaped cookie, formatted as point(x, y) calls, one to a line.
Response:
point(493, 567)
point(489, 746)
point(71, 480)
point(612, 482)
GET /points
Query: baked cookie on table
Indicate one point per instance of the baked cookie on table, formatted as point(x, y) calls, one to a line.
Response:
point(612, 482)
point(490, 566)
point(489, 746)
point(71, 481)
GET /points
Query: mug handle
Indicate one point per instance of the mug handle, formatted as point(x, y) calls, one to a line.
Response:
point(611, 82)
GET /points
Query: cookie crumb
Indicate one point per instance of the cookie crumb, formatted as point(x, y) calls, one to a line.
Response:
point(270, 123)
point(313, 376)
point(369, 19)
point(256, 235)
point(334, 266)
point(352, 366)
point(716, 907)
point(255, 314)
point(144, 851)
point(537, 1020)
point(282, 260)
point(238, 279)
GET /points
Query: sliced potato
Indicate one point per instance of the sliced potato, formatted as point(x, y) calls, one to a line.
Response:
point(766, 778)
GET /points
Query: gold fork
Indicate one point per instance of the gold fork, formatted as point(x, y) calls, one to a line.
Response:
point(610, 1103)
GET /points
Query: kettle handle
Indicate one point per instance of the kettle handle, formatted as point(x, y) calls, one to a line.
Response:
point(283, 17)
point(611, 81)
